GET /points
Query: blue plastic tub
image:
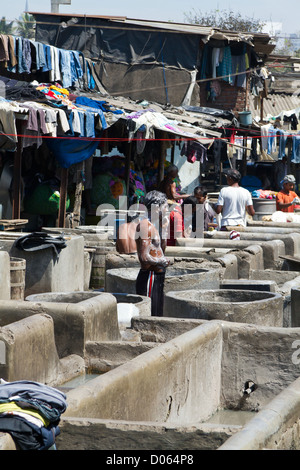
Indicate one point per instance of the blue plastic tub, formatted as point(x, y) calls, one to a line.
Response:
point(245, 118)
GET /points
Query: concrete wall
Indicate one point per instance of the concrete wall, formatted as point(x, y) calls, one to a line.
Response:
point(295, 307)
point(248, 259)
point(124, 280)
point(167, 393)
point(184, 258)
point(177, 382)
point(249, 252)
point(267, 356)
point(108, 435)
point(4, 276)
point(260, 308)
point(165, 329)
point(44, 271)
point(291, 240)
point(77, 318)
point(29, 353)
point(277, 426)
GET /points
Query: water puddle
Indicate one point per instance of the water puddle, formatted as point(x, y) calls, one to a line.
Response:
point(76, 382)
point(233, 417)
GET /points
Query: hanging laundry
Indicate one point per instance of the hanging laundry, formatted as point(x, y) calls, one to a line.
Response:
point(217, 57)
point(238, 59)
point(194, 151)
point(239, 142)
point(264, 139)
point(295, 155)
point(206, 63)
point(4, 52)
point(292, 119)
point(55, 73)
point(95, 106)
point(70, 66)
point(48, 60)
point(283, 135)
point(38, 55)
point(13, 61)
point(224, 70)
point(26, 55)
point(8, 128)
point(272, 140)
point(76, 67)
point(254, 153)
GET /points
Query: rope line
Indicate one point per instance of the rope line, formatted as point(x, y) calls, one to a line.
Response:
point(126, 139)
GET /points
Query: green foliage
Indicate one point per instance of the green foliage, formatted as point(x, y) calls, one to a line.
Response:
point(26, 26)
point(225, 19)
point(6, 28)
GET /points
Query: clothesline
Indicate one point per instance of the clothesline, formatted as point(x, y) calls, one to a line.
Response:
point(139, 139)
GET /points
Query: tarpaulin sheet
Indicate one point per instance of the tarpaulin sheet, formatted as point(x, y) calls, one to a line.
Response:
point(119, 43)
point(69, 151)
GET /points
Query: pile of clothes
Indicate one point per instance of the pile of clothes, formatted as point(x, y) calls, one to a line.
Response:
point(30, 412)
point(264, 194)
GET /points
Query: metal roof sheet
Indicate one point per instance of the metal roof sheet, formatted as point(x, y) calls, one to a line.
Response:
point(275, 104)
point(206, 31)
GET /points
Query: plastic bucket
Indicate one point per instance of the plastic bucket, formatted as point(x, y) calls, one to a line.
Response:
point(263, 207)
point(245, 118)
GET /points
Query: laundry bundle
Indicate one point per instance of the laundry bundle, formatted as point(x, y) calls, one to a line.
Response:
point(30, 412)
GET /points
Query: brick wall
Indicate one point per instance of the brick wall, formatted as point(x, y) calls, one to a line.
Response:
point(231, 98)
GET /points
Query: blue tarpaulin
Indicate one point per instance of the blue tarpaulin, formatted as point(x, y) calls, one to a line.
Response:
point(71, 151)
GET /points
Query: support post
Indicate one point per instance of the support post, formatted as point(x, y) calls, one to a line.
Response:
point(161, 165)
point(78, 195)
point(16, 205)
point(63, 197)
point(127, 166)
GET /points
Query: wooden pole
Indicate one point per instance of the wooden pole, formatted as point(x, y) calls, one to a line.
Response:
point(263, 95)
point(244, 162)
point(78, 195)
point(173, 153)
point(127, 167)
point(161, 165)
point(16, 205)
point(261, 109)
point(63, 197)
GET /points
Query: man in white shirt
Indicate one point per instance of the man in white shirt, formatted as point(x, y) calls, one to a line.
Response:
point(234, 201)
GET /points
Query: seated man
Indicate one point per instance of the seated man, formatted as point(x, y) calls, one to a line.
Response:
point(168, 186)
point(201, 194)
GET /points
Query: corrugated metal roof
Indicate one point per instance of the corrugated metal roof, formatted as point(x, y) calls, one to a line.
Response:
point(79, 15)
point(177, 27)
point(275, 104)
point(206, 31)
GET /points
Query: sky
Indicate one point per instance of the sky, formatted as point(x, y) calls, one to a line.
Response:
point(286, 12)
